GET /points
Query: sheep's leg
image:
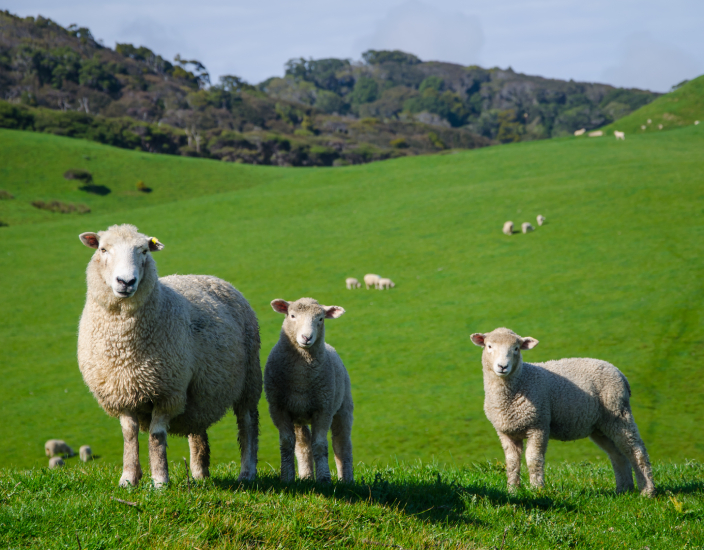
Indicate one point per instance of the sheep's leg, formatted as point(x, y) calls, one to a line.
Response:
point(287, 443)
point(248, 437)
point(627, 439)
point(535, 456)
point(131, 470)
point(200, 455)
point(157, 448)
point(320, 428)
point(621, 465)
point(513, 449)
point(342, 446)
point(304, 452)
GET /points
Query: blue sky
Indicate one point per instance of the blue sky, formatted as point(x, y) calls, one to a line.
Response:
point(649, 44)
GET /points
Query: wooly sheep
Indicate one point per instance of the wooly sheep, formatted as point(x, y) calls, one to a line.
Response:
point(351, 283)
point(387, 283)
point(579, 132)
point(57, 447)
point(508, 228)
point(371, 280)
point(85, 453)
point(596, 133)
point(541, 219)
point(526, 227)
point(619, 135)
point(567, 399)
point(169, 354)
point(306, 383)
point(56, 462)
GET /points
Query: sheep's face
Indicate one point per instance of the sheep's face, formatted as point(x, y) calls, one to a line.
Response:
point(502, 350)
point(122, 255)
point(305, 320)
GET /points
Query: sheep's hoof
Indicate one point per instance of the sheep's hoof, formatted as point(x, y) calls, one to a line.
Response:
point(128, 480)
point(648, 492)
point(160, 484)
point(247, 476)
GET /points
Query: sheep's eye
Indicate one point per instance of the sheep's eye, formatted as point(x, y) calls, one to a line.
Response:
point(103, 250)
point(293, 316)
point(489, 346)
point(144, 251)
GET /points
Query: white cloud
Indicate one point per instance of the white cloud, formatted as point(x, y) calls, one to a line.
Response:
point(651, 64)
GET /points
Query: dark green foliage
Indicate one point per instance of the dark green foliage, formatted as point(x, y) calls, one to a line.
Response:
point(61, 207)
point(365, 90)
point(94, 74)
point(6, 195)
point(324, 73)
point(377, 57)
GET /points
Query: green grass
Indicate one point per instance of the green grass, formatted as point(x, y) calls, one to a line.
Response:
point(401, 506)
point(674, 110)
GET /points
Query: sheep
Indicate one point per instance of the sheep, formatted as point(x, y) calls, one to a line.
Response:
point(166, 355)
point(57, 447)
point(371, 280)
point(567, 399)
point(696, 123)
point(351, 283)
point(85, 452)
point(541, 219)
point(526, 227)
point(619, 135)
point(580, 132)
point(649, 121)
point(56, 462)
point(596, 133)
point(659, 126)
point(387, 283)
point(642, 127)
point(305, 382)
point(508, 228)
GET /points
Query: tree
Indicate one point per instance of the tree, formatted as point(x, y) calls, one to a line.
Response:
point(365, 90)
point(377, 57)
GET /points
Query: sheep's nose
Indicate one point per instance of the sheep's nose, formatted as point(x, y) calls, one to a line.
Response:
point(305, 338)
point(127, 283)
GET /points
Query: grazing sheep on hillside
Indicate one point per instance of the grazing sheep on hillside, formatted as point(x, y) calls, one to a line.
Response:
point(596, 133)
point(649, 121)
point(387, 283)
point(167, 355)
point(371, 280)
point(659, 126)
point(56, 462)
point(579, 132)
point(508, 228)
point(541, 219)
point(57, 447)
point(619, 135)
point(85, 452)
point(526, 227)
point(306, 383)
point(696, 122)
point(567, 399)
point(642, 127)
point(351, 283)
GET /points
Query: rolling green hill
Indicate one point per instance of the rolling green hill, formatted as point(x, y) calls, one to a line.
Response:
point(614, 274)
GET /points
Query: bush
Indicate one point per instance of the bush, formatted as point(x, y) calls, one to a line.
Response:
point(6, 195)
point(399, 143)
point(78, 174)
point(435, 140)
point(61, 207)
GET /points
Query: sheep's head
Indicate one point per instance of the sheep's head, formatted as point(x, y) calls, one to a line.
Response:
point(305, 320)
point(122, 254)
point(502, 350)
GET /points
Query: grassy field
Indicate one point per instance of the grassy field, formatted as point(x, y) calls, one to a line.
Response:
point(403, 506)
point(614, 274)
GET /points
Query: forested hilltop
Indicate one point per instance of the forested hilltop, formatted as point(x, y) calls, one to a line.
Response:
point(322, 112)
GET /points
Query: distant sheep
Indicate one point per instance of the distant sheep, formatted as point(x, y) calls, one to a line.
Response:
point(567, 399)
point(508, 228)
point(541, 219)
point(85, 453)
point(596, 133)
point(696, 122)
point(659, 126)
point(649, 121)
point(56, 462)
point(526, 227)
point(55, 447)
point(371, 280)
point(642, 127)
point(351, 283)
point(387, 283)
point(619, 135)
point(579, 132)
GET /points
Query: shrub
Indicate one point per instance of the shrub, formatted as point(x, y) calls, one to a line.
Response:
point(95, 189)
point(77, 174)
point(399, 143)
point(3, 224)
point(435, 140)
point(6, 195)
point(61, 207)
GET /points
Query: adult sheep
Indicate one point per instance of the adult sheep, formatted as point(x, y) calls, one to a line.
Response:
point(167, 354)
point(57, 447)
point(527, 227)
point(619, 135)
point(508, 228)
point(371, 280)
point(567, 399)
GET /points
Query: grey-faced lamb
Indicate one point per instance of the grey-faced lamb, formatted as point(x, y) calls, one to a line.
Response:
point(508, 228)
point(371, 280)
point(386, 283)
point(567, 399)
point(526, 227)
point(56, 462)
point(169, 354)
point(352, 283)
point(85, 453)
point(55, 447)
point(306, 383)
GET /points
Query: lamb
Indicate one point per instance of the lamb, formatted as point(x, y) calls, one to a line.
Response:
point(387, 283)
point(642, 127)
point(696, 123)
point(541, 219)
point(57, 447)
point(371, 280)
point(305, 382)
point(596, 133)
point(659, 126)
point(567, 399)
point(169, 354)
point(526, 227)
point(56, 462)
point(649, 121)
point(351, 283)
point(85, 453)
point(619, 135)
point(580, 132)
point(508, 228)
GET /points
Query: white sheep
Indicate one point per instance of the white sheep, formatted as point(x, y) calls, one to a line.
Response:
point(57, 447)
point(642, 127)
point(619, 135)
point(306, 383)
point(696, 122)
point(649, 121)
point(567, 399)
point(56, 462)
point(580, 132)
point(596, 133)
point(387, 283)
point(541, 219)
point(526, 227)
point(659, 126)
point(508, 228)
point(371, 280)
point(167, 355)
point(85, 453)
point(351, 283)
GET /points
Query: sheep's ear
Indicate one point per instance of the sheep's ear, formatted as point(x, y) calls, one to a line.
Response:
point(529, 343)
point(333, 312)
point(155, 245)
point(280, 306)
point(89, 239)
point(478, 339)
